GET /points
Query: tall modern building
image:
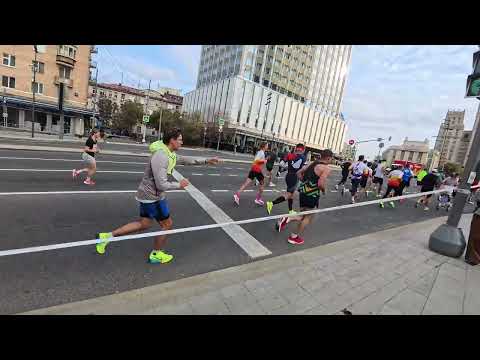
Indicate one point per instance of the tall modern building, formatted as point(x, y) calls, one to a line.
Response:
point(453, 141)
point(305, 85)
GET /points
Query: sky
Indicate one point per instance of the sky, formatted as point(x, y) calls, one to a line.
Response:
point(393, 90)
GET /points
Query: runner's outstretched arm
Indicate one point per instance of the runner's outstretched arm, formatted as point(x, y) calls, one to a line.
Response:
point(192, 160)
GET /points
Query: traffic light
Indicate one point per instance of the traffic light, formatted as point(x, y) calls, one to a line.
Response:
point(473, 80)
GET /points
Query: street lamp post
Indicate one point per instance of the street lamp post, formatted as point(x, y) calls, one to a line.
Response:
point(4, 108)
point(34, 68)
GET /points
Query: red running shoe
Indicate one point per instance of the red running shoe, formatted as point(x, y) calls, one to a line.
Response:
point(280, 225)
point(295, 240)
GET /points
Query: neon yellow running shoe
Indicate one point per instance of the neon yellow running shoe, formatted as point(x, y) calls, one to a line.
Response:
point(381, 205)
point(159, 257)
point(103, 244)
point(292, 212)
point(392, 204)
point(269, 207)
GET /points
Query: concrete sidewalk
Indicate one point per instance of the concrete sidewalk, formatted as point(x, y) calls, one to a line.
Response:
point(388, 272)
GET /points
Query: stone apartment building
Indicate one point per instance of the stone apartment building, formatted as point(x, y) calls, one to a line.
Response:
point(69, 64)
point(118, 93)
point(414, 151)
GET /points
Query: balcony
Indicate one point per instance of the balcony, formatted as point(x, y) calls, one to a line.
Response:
point(66, 55)
point(65, 60)
point(68, 82)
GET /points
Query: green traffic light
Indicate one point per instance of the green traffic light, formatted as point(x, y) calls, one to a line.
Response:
point(474, 89)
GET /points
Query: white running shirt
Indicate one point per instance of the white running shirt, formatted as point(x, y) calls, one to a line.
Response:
point(379, 171)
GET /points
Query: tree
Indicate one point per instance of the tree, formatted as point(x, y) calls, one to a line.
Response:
point(106, 111)
point(130, 114)
point(191, 125)
point(450, 168)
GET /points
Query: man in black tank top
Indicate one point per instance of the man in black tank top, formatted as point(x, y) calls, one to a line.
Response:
point(313, 180)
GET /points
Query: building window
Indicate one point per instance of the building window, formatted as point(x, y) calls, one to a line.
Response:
point(37, 88)
point(8, 60)
point(94, 91)
point(67, 50)
point(410, 156)
point(8, 81)
point(64, 72)
point(40, 67)
point(122, 97)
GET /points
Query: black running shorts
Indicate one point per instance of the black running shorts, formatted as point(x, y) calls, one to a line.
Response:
point(256, 175)
point(378, 180)
point(292, 182)
point(309, 202)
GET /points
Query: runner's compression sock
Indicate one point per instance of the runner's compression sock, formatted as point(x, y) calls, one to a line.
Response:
point(290, 204)
point(278, 200)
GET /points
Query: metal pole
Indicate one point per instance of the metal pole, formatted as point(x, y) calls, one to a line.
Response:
point(204, 134)
point(160, 123)
point(235, 142)
point(146, 110)
point(96, 100)
point(448, 239)
point(219, 135)
point(34, 81)
point(4, 108)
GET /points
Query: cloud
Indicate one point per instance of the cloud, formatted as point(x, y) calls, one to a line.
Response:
point(402, 91)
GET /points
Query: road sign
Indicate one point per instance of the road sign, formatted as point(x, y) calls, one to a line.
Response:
point(351, 142)
point(146, 119)
point(381, 145)
point(221, 121)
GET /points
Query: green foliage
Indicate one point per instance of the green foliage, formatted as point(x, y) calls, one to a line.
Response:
point(107, 110)
point(450, 168)
point(130, 114)
point(191, 125)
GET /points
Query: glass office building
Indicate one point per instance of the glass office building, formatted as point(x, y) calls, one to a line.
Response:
point(304, 83)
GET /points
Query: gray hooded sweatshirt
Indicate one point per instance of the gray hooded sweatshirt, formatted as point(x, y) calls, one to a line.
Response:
point(155, 179)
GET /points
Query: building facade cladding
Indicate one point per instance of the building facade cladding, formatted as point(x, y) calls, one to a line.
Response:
point(242, 103)
point(306, 83)
point(68, 64)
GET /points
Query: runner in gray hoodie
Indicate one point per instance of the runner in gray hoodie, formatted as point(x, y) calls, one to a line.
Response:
point(151, 194)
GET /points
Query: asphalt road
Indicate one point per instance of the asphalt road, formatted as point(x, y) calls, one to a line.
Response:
point(37, 280)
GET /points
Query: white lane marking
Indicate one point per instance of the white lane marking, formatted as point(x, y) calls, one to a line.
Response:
point(221, 190)
point(228, 168)
point(241, 168)
point(72, 160)
point(78, 192)
point(70, 170)
point(196, 174)
point(214, 174)
point(233, 175)
point(243, 239)
point(334, 191)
